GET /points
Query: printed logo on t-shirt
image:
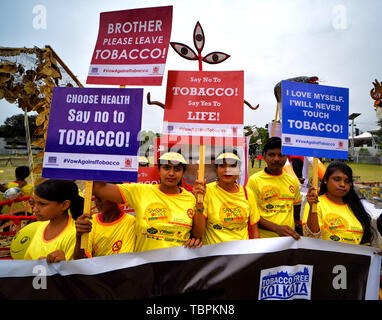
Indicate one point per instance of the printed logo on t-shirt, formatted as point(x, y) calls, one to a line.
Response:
point(338, 229)
point(333, 223)
point(291, 189)
point(269, 193)
point(117, 246)
point(190, 213)
point(232, 215)
point(157, 213)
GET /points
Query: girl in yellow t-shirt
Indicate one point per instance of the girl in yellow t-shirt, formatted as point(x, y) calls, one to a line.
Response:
point(164, 213)
point(340, 214)
point(227, 206)
point(55, 237)
point(110, 232)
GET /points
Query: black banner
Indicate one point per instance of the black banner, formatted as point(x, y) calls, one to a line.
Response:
point(264, 269)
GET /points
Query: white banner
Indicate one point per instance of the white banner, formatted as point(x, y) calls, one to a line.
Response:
point(123, 71)
point(86, 161)
point(198, 129)
point(299, 141)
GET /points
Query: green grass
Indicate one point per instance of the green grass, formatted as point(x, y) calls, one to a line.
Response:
point(365, 172)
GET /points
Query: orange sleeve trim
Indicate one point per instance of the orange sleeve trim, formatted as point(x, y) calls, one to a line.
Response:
point(122, 195)
point(254, 222)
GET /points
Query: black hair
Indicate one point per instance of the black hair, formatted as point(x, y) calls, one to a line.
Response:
point(59, 191)
point(272, 143)
point(351, 198)
point(22, 173)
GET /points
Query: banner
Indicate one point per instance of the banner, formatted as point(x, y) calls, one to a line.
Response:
point(259, 269)
point(132, 47)
point(204, 107)
point(93, 134)
point(315, 120)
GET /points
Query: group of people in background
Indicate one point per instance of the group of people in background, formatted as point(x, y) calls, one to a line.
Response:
point(167, 215)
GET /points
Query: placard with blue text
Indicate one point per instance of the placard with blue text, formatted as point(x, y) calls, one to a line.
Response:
point(93, 134)
point(314, 120)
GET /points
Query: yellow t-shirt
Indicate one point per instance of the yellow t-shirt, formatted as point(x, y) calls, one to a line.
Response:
point(337, 222)
point(22, 206)
point(227, 214)
point(111, 238)
point(65, 241)
point(162, 220)
point(275, 197)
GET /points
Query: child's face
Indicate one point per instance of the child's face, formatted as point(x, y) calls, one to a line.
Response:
point(47, 210)
point(105, 206)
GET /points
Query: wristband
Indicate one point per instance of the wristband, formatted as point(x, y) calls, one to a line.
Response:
point(199, 210)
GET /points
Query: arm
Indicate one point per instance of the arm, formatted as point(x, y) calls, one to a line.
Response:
point(297, 219)
point(312, 221)
point(199, 220)
point(107, 191)
point(255, 231)
point(282, 231)
point(199, 223)
point(83, 225)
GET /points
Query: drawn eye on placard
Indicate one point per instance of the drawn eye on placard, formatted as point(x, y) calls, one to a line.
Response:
point(199, 37)
point(215, 57)
point(184, 51)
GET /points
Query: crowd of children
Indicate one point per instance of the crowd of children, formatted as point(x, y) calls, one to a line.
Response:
point(166, 215)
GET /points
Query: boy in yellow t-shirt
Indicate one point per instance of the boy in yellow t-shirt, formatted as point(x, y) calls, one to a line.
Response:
point(110, 232)
point(277, 194)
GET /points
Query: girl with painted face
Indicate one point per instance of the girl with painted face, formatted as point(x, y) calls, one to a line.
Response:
point(227, 207)
point(57, 204)
point(164, 213)
point(340, 214)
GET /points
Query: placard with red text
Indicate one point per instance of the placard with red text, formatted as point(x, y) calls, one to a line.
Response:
point(207, 105)
point(132, 47)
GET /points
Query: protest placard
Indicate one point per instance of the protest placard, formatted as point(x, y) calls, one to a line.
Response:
point(93, 134)
point(204, 107)
point(315, 120)
point(131, 47)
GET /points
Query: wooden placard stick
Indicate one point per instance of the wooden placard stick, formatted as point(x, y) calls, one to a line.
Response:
point(87, 210)
point(202, 150)
point(315, 181)
point(274, 123)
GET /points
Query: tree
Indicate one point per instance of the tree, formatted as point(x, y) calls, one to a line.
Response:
point(14, 127)
point(262, 136)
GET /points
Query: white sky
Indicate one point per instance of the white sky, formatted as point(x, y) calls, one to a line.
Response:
point(271, 40)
